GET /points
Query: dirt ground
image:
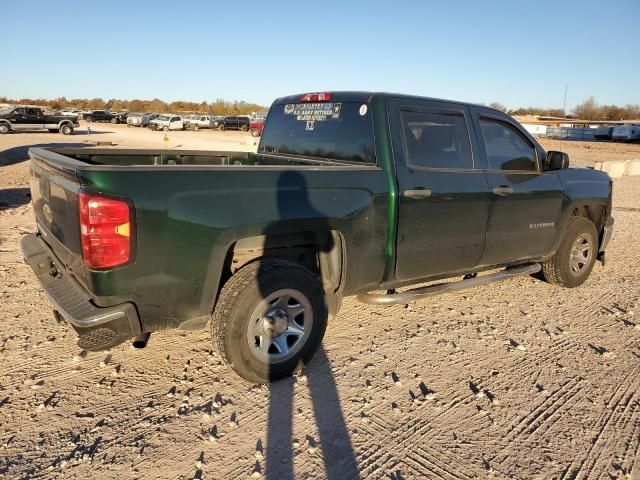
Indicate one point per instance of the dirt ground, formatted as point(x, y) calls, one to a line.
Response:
point(512, 380)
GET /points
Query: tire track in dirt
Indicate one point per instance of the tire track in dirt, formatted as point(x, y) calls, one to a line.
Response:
point(537, 421)
point(606, 433)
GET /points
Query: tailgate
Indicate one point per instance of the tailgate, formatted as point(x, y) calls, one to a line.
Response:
point(54, 193)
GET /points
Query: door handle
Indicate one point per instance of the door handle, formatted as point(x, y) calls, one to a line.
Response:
point(417, 193)
point(502, 190)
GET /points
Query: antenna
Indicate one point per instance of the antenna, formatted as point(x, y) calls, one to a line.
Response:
point(564, 103)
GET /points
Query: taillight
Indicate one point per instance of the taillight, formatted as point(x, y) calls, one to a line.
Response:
point(105, 231)
point(316, 97)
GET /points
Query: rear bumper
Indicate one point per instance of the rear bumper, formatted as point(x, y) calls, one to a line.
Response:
point(99, 328)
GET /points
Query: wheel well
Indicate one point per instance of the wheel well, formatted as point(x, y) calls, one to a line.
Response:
point(65, 122)
point(322, 253)
point(595, 213)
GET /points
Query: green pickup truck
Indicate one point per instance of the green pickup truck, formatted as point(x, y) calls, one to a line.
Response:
point(349, 193)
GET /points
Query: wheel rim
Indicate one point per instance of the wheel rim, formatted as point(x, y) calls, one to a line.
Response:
point(280, 326)
point(581, 253)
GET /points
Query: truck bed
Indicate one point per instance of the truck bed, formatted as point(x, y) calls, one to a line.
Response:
point(185, 158)
point(192, 207)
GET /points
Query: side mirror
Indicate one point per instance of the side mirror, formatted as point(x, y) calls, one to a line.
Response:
point(556, 160)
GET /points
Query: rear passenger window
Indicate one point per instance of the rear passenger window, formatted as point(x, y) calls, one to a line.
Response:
point(507, 148)
point(436, 140)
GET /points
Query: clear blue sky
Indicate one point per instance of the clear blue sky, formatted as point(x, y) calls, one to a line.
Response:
point(519, 53)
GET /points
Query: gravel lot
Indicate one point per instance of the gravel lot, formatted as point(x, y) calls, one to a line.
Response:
point(512, 380)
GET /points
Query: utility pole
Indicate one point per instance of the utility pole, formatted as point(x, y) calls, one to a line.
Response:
point(564, 103)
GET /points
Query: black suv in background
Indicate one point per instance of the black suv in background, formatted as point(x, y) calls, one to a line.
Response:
point(98, 116)
point(234, 123)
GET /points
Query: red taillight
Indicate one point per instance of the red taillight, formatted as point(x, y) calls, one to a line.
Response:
point(316, 97)
point(105, 231)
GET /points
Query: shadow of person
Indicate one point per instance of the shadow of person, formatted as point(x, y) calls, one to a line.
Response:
point(297, 214)
point(14, 197)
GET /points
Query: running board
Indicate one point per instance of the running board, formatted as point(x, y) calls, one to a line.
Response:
point(437, 289)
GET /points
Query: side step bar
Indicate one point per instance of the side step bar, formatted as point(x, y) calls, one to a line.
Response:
point(439, 288)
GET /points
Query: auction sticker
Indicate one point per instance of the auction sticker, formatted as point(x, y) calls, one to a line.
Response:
point(313, 112)
point(363, 109)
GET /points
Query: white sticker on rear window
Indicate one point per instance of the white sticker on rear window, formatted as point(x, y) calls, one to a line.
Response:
point(363, 110)
point(313, 112)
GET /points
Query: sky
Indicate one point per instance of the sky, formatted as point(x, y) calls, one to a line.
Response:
point(518, 53)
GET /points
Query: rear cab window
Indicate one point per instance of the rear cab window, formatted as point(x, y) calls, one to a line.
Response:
point(328, 130)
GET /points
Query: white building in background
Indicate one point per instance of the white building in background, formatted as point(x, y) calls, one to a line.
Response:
point(535, 128)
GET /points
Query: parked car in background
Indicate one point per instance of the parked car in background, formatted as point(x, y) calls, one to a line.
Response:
point(97, 116)
point(196, 122)
point(234, 123)
point(603, 133)
point(16, 119)
point(256, 126)
point(216, 120)
point(120, 117)
point(134, 119)
point(147, 117)
point(626, 133)
point(69, 112)
point(258, 115)
point(167, 122)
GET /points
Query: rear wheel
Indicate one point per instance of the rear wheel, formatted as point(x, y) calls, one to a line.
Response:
point(221, 127)
point(166, 129)
point(244, 128)
point(196, 127)
point(573, 261)
point(66, 129)
point(270, 318)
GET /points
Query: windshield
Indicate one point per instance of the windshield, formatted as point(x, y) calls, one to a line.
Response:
point(163, 118)
point(337, 131)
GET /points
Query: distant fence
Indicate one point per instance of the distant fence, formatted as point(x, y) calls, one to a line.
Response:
point(569, 133)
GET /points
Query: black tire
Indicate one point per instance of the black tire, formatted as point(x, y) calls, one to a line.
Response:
point(221, 127)
point(567, 268)
point(244, 128)
point(66, 129)
point(4, 128)
point(196, 127)
point(166, 129)
point(240, 299)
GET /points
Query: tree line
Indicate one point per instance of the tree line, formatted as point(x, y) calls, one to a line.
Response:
point(217, 107)
point(587, 110)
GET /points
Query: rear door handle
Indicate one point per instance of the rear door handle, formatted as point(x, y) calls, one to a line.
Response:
point(502, 191)
point(417, 193)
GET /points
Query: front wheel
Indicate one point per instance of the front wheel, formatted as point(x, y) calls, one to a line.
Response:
point(196, 127)
point(166, 129)
point(221, 128)
point(270, 319)
point(4, 129)
point(572, 263)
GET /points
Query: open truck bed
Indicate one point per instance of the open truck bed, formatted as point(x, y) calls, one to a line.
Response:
point(188, 211)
